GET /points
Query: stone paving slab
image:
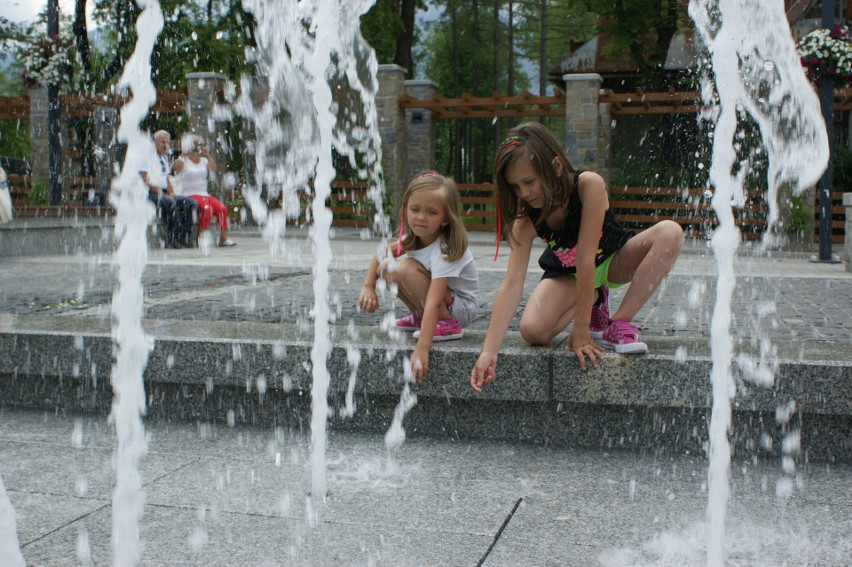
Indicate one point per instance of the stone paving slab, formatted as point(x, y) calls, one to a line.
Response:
point(226, 496)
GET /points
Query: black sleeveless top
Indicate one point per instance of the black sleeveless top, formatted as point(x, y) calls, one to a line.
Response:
point(560, 257)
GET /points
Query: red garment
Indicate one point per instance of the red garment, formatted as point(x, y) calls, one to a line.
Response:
point(207, 207)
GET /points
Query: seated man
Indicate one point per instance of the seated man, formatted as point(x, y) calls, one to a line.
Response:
point(177, 212)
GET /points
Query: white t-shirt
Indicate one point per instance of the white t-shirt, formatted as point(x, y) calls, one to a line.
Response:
point(462, 277)
point(157, 170)
point(193, 177)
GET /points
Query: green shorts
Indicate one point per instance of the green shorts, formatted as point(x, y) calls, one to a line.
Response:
point(601, 274)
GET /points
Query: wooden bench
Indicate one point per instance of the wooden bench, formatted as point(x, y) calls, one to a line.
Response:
point(75, 199)
point(352, 207)
point(349, 203)
point(638, 208)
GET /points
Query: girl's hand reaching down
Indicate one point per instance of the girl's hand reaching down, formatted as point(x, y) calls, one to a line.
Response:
point(419, 364)
point(484, 371)
point(367, 301)
point(583, 346)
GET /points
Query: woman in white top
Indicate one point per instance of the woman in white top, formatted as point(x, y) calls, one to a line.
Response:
point(193, 166)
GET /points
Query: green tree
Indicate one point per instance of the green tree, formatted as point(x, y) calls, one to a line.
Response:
point(195, 37)
point(465, 52)
point(390, 29)
point(14, 134)
point(641, 28)
point(547, 29)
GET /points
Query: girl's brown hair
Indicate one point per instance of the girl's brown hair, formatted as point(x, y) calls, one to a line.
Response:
point(533, 142)
point(454, 237)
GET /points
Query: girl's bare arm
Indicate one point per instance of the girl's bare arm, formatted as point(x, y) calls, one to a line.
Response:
point(592, 193)
point(432, 308)
point(505, 304)
point(368, 301)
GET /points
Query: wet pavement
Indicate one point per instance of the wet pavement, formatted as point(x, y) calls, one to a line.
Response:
point(216, 495)
point(220, 495)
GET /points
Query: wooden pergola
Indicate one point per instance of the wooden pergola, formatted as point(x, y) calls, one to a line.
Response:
point(636, 102)
point(494, 106)
point(76, 106)
point(442, 108)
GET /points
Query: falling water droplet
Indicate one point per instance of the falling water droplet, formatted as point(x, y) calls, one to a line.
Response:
point(84, 552)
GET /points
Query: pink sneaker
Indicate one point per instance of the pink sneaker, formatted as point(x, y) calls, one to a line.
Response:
point(622, 337)
point(409, 323)
point(446, 329)
point(600, 314)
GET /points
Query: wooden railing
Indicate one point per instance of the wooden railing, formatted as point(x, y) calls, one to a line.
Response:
point(352, 207)
point(637, 208)
point(75, 195)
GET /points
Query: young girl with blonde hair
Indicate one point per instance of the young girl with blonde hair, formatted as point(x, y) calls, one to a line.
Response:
point(437, 280)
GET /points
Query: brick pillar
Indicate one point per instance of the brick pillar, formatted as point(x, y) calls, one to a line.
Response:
point(203, 89)
point(391, 79)
point(583, 128)
point(419, 130)
point(108, 151)
point(847, 237)
point(39, 130)
point(604, 140)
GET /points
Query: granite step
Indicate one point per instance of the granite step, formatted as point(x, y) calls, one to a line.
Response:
point(256, 373)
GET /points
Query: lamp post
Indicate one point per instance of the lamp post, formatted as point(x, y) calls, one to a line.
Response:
point(53, 148)
point(827, 180)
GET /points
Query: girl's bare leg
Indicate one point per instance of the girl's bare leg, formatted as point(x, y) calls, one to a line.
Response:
point(549, 309)
point(644, 261)
point(412, 281)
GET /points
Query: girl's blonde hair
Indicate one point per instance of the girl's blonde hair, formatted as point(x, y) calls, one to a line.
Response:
point(533, 142)
point(454, 237)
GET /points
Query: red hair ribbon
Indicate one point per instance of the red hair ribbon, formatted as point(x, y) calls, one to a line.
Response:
point(499, 229)
point(399, 240)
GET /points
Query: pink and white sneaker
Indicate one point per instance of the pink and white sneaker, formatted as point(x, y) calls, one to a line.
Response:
point(446, 329)
point(600, 314)
point(623, 338)
point(409, 323)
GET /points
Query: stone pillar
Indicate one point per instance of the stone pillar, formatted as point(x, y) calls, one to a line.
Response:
point(847, 237)
point(582, 121)
point(391, 79)
point(39, 134)
point(604, 141)
point(108, 152)
point(419, 130)
point(204, 89)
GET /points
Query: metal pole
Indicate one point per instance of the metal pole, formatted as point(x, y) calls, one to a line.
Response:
point(53, 148)
point(827, 180)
